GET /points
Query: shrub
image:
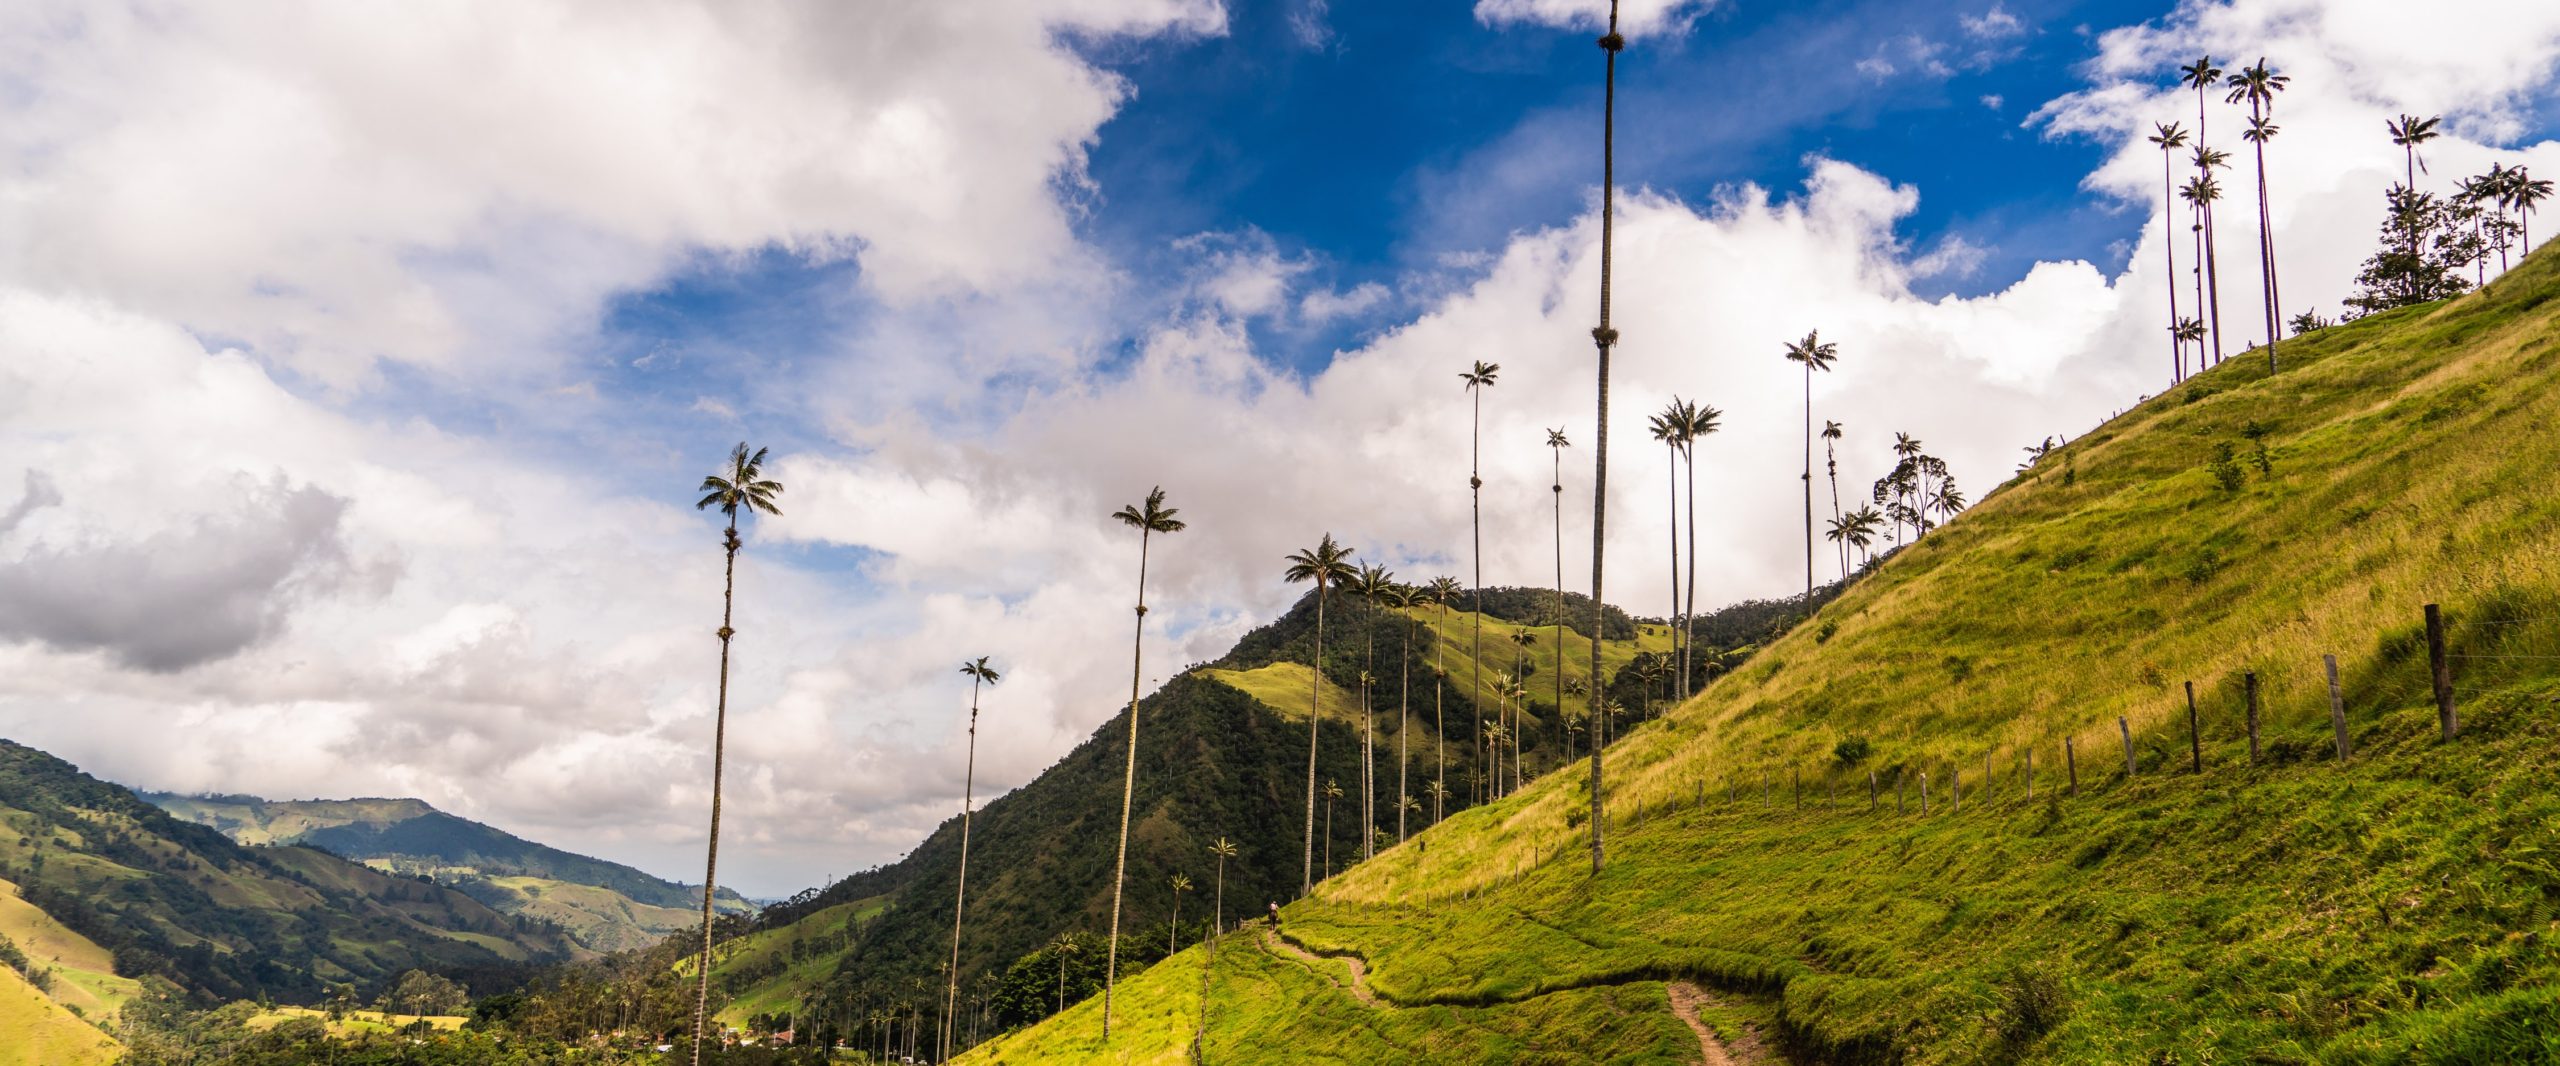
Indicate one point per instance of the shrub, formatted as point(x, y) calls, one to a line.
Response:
point(1852, 751)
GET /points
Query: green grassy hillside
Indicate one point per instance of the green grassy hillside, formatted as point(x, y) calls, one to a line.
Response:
point(36, 1031)
point(602, 906)
point(2398, 906)
point(166, 898)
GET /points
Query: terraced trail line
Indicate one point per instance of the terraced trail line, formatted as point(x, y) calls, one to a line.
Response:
point(1686, 998)
point(1313, 961)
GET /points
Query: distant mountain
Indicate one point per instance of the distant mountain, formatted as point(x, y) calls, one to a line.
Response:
point(604, 906)
point(109, 882)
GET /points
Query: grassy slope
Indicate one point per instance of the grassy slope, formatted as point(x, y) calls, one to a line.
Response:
point(1255, 991)
point(84, 975)
point(599, 919)
point(2398, 908)
point(36, 1031)
point(356, 1022)
point(781, 991)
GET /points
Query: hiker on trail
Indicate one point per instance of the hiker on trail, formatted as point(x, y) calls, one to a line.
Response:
point(1275, 916)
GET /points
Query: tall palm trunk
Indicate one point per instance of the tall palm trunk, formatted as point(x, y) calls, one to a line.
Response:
point(1604, 338)
point(1404, 718)
point(1440, 721)
point(2169, 247)
point(1558, 493)
point(1315, 705)
point(719, 755)
point(2195, 227)
point(960, 900)
point(1475, 492)
point(1128, 783)
point(2212, 305)
point(1808, 477)
point(1689, 615)
point(2266, 243)
point(1671, 482)
point(1368, 743)
point(2212, 282)
point(1831, 465)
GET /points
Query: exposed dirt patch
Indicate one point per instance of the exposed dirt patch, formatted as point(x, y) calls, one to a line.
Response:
point(1746, 1050)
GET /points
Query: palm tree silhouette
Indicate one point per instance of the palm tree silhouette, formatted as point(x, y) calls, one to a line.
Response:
point(1149, 519)
point(2259, 86)
point(740, 485)
point(1181, 883)
point(1478, 378)
point(1062, 946)
point(1815, 354)
point(2527, 193)
point(2170, 138)
point(2408, 132)
point(1831, 435)
point(1224, 849)
point(2201, 76)
point(980, 676)
point(1441, 591)
point(1605, 338)
point(1327, 564)
point(1696, 421)
point(1665, 428)
point(1556, 444)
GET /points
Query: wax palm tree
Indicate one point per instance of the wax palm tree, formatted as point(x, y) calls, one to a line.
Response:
point(1181, 883)
point(2208, 192)
point(1062, 946)
point(1906, 449)
point(1864, 524)
point(1332, 792)
point(1696, 420)
point(1149, 519)
point(1815, 355)
point(1665, 428)
point(1605, 338)
point(1478, 378)
point(2191, 330)
point(1441, 591)
point(1373, 585)
point(1327, 564)
point(2170, 137)
point(740, 485)
point(2258, 86)
point(1556, 444)
point(1831, 436)
point(2408, 132)
point(2201, 76)
point(1224, 849)
point(2527, 193)
point(980, 675)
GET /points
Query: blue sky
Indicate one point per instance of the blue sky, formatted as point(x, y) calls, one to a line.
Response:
point(973, 299)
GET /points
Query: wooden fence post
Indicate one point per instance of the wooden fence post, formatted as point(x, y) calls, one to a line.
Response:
point(2442, 668)
point(2337, 705)
point(2126, 731)
point(1924, 791)
point(2071, 762)
point(1955, 789)
point(2030, 774)
point(1871, 792)
point(2249, 682)
point(2195, 737)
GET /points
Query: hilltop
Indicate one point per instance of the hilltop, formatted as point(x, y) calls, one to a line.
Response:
point(602, 906)
point(1959, 816)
